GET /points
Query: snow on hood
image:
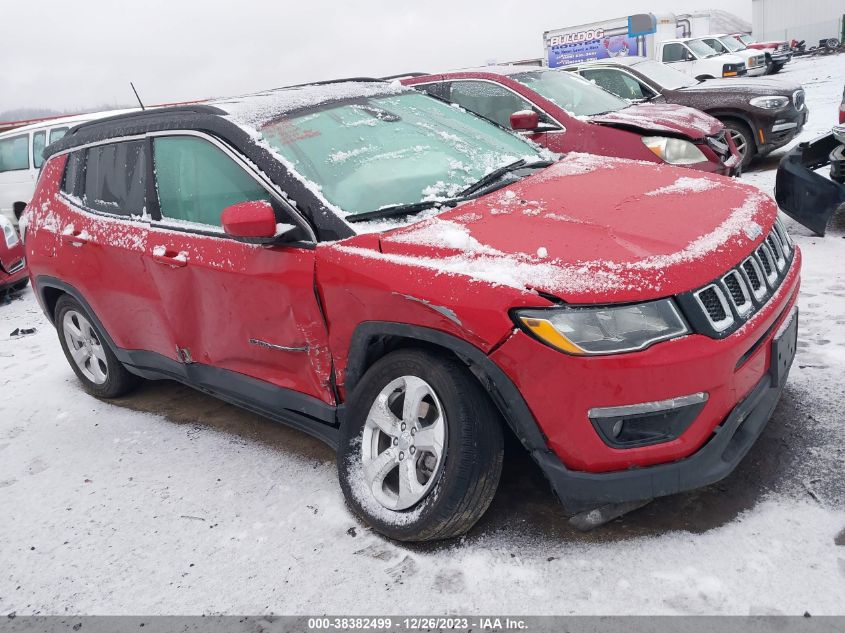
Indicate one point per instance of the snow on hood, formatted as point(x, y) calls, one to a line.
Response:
point(662, 117)
point(591, 230)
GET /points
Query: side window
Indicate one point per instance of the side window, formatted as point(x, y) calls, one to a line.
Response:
point(196, 180)
point(71, 180)
point(489, 100)
point(115, 178)
point(39, 142)
point(673, 52)
point(57, 133)
point(14, 153)
point(617, 82)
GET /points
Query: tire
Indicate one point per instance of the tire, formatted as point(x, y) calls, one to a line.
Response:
point(742, 136)
point(776, 68)
point(459, 487)
point(99, 371)
point(770, 66)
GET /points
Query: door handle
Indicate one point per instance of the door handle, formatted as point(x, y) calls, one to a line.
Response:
point(75, 238)
point(169, 258)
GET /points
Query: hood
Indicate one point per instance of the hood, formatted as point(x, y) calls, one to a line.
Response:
point(593, 229)
point(662, 118)
point(755, 86)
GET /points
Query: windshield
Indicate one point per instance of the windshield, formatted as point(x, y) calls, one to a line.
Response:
point(731, 44)
point(746, 39)
point(376, 152)
point(664, 75)
point(716, 45)
point(701, 49)
point(571, 92)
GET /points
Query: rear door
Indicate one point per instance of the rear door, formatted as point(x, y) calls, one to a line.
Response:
point(103, 236)
point(231, 305)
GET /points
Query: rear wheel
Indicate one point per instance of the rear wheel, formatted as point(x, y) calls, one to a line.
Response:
point(744, 141)
point(776, 68)
point(90, 357)
point(421, 447)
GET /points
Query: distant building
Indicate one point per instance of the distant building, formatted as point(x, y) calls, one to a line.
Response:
point(809, 20)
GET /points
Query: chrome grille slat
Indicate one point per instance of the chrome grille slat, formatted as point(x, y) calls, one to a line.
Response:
point(754, 275)
point(737, 292)
point(18, 265)
point(715, 306)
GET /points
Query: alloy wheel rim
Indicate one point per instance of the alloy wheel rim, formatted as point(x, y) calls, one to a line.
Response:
point(403, 443)
point(739, 140)
point(85, 347)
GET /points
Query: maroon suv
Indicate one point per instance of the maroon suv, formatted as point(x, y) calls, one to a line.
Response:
point(567, 113)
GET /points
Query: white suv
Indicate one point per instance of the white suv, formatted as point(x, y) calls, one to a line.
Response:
point(21, 159)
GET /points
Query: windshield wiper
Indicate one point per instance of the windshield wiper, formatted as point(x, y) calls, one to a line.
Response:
point(397, 210)
point(496, 174)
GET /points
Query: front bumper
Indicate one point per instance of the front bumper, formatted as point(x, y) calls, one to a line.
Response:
point(561, 390)
point(731, 441)
point(808, 197)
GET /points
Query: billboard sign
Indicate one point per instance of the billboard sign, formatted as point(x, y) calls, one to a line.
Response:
point(612, 38)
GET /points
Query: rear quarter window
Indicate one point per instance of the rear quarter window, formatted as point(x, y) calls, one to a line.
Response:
point(14, 153)
point(72, 179)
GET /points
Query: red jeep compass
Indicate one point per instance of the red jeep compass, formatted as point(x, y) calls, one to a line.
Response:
point(408, 282)
point(571, 114)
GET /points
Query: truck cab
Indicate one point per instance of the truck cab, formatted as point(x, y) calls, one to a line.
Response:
point(697, 59)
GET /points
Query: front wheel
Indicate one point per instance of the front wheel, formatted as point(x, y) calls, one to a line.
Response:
point(744, 140)
point(421, 448)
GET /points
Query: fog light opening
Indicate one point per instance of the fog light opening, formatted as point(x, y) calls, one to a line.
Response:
point(630, 426)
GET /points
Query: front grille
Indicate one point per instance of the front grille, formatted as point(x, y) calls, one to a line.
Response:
point(722, 306)
point(798, 99)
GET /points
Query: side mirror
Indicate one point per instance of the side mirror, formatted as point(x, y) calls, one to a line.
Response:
point(525, 120)
point(250, 220)
point(255, 222)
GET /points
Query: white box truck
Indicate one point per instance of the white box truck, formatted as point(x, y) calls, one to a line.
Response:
point(644, 34)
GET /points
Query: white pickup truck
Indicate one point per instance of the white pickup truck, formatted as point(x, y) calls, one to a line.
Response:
point(698, 59)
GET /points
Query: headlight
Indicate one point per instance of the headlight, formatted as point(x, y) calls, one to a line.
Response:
point(674, 151)
point(769, 103)
point(604, 330)
point(9, 231)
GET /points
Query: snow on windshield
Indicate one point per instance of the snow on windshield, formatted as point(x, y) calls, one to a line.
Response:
point(367, 153)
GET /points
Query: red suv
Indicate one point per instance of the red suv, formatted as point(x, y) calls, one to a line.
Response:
point(408, 282)
point(567, 113)
point(12, 262)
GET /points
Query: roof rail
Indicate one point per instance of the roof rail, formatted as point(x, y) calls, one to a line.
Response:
point(401, 75)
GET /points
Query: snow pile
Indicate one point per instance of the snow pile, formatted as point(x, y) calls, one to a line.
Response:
point(443, 233)
point(687, 184)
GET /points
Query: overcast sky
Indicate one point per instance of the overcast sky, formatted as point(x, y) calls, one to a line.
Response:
point(73, 55)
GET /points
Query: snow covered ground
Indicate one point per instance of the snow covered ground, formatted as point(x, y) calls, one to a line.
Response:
point(198, 508)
